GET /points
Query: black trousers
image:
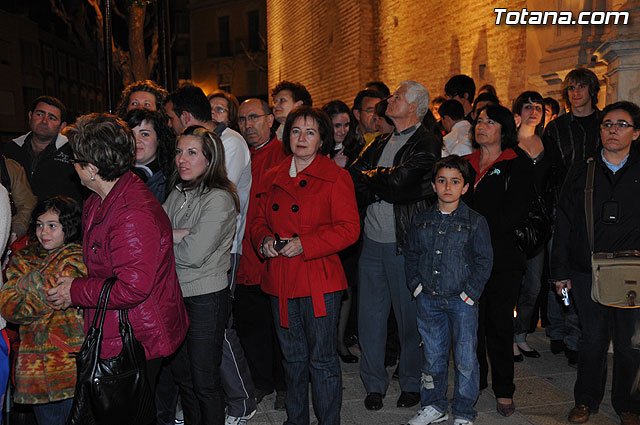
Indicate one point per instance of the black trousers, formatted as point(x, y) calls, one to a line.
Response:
point(254, 325)
point(495, 330)
point(599, 325)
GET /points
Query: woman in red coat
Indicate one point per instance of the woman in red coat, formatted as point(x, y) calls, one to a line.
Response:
point(126, 234)
point(305, 215)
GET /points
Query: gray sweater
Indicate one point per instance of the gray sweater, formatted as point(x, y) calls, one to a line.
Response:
point(202, 256)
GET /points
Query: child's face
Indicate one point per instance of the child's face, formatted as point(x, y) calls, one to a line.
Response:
point(449, 186)
point(49, 230)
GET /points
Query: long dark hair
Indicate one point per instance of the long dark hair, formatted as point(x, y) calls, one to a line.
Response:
point(215, 175)
point(337, 107)
point(166, 138)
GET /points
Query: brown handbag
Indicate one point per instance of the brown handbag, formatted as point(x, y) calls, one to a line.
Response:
point(615, 275)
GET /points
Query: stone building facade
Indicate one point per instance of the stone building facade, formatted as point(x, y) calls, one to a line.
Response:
point(335, 46)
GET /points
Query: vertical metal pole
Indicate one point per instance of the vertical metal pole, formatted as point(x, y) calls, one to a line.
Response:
point(162, 45)
point(166, 45)
point(108, 58)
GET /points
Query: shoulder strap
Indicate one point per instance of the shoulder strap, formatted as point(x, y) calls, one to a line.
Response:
point(588, 199)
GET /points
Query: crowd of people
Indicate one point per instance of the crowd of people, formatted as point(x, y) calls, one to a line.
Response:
point(253, 244)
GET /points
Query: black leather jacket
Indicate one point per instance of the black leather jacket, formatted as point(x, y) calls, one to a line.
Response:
point(406, 185)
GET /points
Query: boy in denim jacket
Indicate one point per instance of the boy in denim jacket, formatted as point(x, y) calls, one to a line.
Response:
point(447, 265)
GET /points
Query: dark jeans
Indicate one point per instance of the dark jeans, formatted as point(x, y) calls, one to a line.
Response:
point(53, 413)
point(600, 324)
point(529, 291)
point(443, 322)
point(495, 331)
point(309, 348)
point(257, 333)
point(196, 365)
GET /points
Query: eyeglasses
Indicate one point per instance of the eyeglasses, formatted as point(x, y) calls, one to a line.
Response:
point(619, 125)
point(79, 161)
point(219, 109)
point(250, 118)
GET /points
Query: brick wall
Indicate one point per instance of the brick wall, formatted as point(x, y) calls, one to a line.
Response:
point(335, 46)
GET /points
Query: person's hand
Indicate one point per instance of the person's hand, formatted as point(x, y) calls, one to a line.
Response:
point(340, 159)
point(179, 234)
point(267, 247)
point(59, 298)
point(293, 248)
point(561, 284)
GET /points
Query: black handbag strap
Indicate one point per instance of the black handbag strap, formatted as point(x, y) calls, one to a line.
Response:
point(588, 199)
point(103, 300)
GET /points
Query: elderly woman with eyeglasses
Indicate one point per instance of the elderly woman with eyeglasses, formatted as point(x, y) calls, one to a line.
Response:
point(126, 234)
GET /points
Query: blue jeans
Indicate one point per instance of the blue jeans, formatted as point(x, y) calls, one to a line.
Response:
point(529, 291)
point(440, 321)
point(382, 285)
point(196, 365)
point(53, 413)
point(309, 347)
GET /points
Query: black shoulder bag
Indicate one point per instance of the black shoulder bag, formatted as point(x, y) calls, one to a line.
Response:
point(115, 390)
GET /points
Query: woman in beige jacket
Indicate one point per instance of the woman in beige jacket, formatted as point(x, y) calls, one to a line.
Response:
point(202, 208)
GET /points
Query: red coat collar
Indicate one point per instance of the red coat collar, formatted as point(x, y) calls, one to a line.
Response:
point(474, 160)
point(321, 168)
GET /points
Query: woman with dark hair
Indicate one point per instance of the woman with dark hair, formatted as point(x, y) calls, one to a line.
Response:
point(224, 109)
point(305, 215)
point(45, 374)
point(155, 145)
point(503, 192)
point(346, 145)
point(528, 109)
point(145, 94)
point(202, 208)
point(127, 235)
point(345, 150)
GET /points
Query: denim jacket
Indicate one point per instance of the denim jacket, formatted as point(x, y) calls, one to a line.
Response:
point(449, 254)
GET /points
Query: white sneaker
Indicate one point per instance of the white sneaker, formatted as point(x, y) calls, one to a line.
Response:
point(460, 421)
point(233, 420)
point(428, 415)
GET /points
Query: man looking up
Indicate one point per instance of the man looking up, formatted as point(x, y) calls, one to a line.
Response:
point(392, 183)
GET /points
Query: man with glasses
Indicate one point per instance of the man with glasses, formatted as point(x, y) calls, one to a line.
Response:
point(570, 138)
point(615, 221)
point(364, 110)
point(252, 308)
point(44, 153)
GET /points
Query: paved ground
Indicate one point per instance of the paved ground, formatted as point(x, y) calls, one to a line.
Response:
point(544, 396)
